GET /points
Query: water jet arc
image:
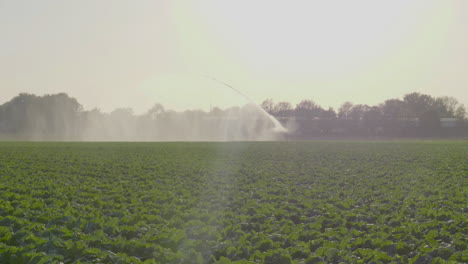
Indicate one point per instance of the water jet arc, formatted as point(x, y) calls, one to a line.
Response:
point(278, 127)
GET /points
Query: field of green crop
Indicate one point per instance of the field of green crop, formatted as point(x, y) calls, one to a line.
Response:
point(266, 202)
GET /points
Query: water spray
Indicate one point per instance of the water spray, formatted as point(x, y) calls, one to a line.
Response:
point(278, 127)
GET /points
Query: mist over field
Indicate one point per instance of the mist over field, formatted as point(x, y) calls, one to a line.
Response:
point(60, 117)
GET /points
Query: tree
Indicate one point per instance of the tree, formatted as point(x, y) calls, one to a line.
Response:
point(42, 117)
point(418, 104)
point(155, 111)
point(460, 112)
point(358, 111)
point(123, 124)
point(283, 109)
point(62, 116)
point(345, 110)
point(450, 107)
point(446, 106)
point(216, 111)
point(19, 114)
point(393, 108)
point(372, 118)
point(269, 106)
point(330, 113)
point(308, 109)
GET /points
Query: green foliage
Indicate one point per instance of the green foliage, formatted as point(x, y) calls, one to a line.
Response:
point(282, 202)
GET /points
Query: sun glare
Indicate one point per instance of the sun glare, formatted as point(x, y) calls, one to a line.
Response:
point(338, 45)
point(302, 37)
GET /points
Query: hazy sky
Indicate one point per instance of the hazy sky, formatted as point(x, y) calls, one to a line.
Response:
point(115, 53)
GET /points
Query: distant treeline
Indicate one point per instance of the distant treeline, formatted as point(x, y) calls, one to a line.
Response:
point(416, 115)
point(61, 117)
